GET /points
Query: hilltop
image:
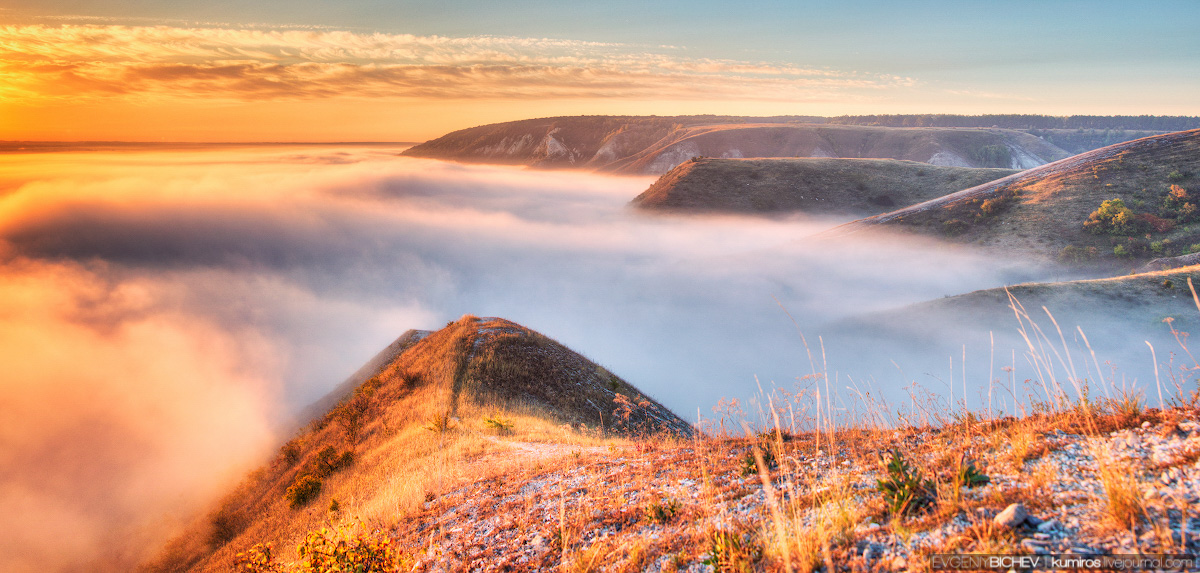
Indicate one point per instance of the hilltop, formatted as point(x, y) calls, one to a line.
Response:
point(1114, 206)
point(445, 405)
point(857, 187)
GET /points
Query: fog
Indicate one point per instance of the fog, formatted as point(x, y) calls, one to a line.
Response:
point(166, 313)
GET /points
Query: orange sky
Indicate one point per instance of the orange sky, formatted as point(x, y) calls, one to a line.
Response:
point(172, 83)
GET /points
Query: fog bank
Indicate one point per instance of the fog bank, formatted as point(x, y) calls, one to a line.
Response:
point(165, 312)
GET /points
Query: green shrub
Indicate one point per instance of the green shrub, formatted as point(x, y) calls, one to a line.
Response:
point(661, 512)
point(1121, 251)
point(750, 464)
point(969, 476)
point(905, 490)
point(1176, 177)
point(501, 425)
point(1114, 218)
point(732, 551)
point(305, 489)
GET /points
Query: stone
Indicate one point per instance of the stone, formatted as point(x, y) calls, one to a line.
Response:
point(1047, 525)
point(1013, 516)
point(1033, 546)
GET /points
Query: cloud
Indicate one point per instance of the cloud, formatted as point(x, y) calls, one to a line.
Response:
point(96, 61)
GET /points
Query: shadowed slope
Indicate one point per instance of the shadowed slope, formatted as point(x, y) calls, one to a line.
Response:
point(812, 185)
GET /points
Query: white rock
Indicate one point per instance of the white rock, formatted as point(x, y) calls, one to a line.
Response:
point(1013, 516)
point(1047, 525)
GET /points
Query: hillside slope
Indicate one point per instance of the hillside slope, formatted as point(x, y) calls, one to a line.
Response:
point(653, 145)
point(475, 387)
point(813, 185)
point(1042, 212)
point(567, 142)
point(936, 146)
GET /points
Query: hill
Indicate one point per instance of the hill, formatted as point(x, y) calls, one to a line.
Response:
point(653, 145)
point(590, 142)
point(444, 403)
point(936, 146)
point(857, 187)
point(1118, 205)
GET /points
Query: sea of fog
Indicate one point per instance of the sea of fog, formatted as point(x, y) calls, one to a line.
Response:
point(165, 313)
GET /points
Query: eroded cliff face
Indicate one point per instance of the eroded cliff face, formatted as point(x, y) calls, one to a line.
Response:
point(655, 145)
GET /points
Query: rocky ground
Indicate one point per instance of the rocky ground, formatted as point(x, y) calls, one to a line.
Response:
point(1060, 484)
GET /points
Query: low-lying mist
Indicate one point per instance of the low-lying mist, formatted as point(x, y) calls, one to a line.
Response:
point(166, 313)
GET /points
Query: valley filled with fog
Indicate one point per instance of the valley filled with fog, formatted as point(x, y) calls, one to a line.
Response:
point(167, 313)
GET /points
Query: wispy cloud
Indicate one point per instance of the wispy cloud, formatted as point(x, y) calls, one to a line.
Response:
point(103, 61)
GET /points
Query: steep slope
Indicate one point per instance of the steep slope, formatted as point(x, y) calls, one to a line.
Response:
point(565, 142)
point(1042, 212)
point(641, 145)
point(474, 388)
point(813, 185)
point(936, 146)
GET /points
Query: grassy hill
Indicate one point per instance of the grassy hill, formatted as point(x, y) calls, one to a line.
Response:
point(1047, 212)
point(813, 185)
point(424, 420)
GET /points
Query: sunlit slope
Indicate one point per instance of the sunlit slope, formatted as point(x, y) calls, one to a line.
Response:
point(459, 394)
point(1042, 212)
point(812, 185)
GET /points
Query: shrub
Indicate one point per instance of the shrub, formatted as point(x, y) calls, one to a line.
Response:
point(954, 227)
point(257, 559)
point(305, 489)
point(661, 512)
point(225, 527)
point(1179, 205)
point(1156, 223)
point(969, 476)
point(327, 550)
point(732, 551)
point(1114, 218)
point(329, 462)
point(905, 490)
point(1121, 251)
point(1073, 254)
point(501, 425)
point(290, 452)
point(1176, 177)
point(750, 464)
point(440, 424)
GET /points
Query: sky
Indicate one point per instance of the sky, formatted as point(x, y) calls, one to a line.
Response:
point(385, 70)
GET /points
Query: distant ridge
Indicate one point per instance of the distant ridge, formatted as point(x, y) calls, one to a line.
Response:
point(650, 144)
